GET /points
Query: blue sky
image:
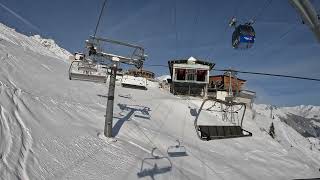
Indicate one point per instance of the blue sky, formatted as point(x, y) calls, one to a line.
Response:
point(202, 32)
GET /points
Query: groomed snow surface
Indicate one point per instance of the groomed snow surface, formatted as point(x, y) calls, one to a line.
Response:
point(50, 128)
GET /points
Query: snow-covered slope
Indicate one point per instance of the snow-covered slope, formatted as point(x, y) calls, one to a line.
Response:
point(306, 111)
point(290, 135)
point(52, 46)
point(34, 43)
point(50, 126)
point(162, 78)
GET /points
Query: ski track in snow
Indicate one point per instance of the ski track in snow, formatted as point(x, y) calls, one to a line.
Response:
point(15, 138)
point(6, 142)
point(297, 146)
point(47, 67)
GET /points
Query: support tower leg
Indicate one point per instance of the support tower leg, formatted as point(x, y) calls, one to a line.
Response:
point(110, 103)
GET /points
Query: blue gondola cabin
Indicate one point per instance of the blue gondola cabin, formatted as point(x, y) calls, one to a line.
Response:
point(243, 37)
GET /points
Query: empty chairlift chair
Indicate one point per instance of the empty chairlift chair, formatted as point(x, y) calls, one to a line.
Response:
point(85, 70)
point(134, 82)
point(212, 132)
point(177, 150)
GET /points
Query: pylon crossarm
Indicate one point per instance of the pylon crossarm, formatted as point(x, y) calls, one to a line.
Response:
point(122, 59)
point(116, 42)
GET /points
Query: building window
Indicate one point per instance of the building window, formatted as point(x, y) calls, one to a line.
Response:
point(191, 73)
point(180, 74)
point(201, 75)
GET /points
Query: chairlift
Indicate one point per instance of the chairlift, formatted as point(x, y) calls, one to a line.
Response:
point(229, 108)
point(83, 69)
point(134, 82)
point(235, 130)
point(79, 56)
point(154, 165)
point(243, 36)
point(177, 150)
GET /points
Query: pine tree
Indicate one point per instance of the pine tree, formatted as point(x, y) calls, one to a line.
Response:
point(271, 131)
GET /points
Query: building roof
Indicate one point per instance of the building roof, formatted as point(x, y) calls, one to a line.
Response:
point(228, 76)
point(191, 60)
point(140, 70)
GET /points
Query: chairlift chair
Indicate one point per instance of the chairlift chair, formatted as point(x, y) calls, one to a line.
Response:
point(177, 150)
point(86, 71)
point(134, 82)
point(79, 56)
point(212, 132)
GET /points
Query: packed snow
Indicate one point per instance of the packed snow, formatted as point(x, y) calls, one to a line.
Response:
point(163, 78)
point(51, 128)
point(34, 43)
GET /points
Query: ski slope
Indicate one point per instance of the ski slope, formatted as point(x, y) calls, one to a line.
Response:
point(50, 128)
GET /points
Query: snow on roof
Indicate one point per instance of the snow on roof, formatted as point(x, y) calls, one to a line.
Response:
point(192, 59)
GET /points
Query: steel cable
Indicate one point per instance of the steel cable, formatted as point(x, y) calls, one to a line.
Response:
point(100, 15)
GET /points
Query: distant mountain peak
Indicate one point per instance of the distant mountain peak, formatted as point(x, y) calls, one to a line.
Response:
point(34, 43)
point(51, 45)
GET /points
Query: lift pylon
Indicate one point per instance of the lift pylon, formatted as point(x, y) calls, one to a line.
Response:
point(94, 46)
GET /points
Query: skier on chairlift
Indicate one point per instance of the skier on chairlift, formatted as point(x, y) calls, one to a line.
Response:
point(92, 50)
point(91, 47)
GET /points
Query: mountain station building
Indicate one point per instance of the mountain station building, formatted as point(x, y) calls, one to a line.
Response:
point(190, 76)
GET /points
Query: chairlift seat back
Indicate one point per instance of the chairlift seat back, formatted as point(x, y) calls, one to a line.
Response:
point(86, 77)
point(88, 69)
point(84, 71)
point(177, 151)
point(222, 132)
point(134, 82)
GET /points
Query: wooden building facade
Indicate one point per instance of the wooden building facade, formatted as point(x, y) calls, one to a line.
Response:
point(219, 88)
point(141, 73)
point(222, 82)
